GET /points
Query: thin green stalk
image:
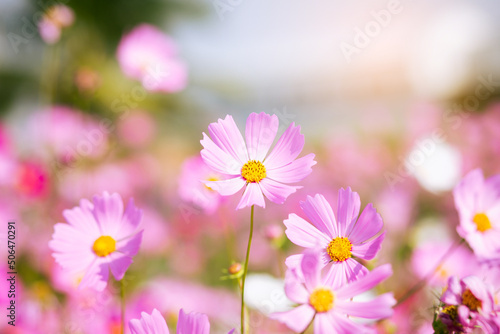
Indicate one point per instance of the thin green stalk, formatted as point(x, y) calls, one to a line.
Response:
point(122, 297)
point(245, 269)
point(420, 284)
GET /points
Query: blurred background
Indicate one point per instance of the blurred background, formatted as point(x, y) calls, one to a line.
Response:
point(397, 99)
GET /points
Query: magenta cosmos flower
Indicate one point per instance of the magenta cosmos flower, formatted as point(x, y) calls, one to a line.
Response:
point(330, 305)
point(99, 237)
point(149, 55)
point(478, 203)
point(192, 323)
point(249, 166)
point(340, 239)
point(468, 303)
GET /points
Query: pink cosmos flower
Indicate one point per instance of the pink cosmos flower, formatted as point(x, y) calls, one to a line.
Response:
point(192, 323)
point(191, 188)
point(340, 239)
point(149, 55)
point(100, 236)
point(468, 303)
point(52, 23)
point(478, 203)
point(249, 166)
point(329, 304)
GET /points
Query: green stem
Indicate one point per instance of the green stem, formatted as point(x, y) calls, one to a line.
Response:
point(420, 284)
point(245, 269)
point(122, 298)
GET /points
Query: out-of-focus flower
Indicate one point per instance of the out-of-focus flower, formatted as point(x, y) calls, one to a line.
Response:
point(427, 256)
point(99, 237)
point(266, 294)
point(137, 129)
point(53, 21)
point(329, 304)
point(191, 323)
point(149, 55)
point(87, 80)
point(339, 240)
point(468, 303)
point(32, 179)
point(478, 203)
point(193, 190)
point(249, 166)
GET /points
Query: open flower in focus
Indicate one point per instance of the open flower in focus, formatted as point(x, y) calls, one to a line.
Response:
point(331, 305)
point(340, 239)
point(100, 236)
point(478, 203)
point(53, 21)
point(191, 323)
point(149, 55)
point(249, 166)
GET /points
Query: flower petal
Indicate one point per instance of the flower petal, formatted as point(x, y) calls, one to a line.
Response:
point(304, 234)
point(355, 270)
point(227, 136)
point(119, 263)
point(311, 266)
point(260, 132)
point(293, 172)
point(193, 322)
point(344, 325)
point(218, 159)
point(287, 148)
point(378, 308)
point(294, 289)
point(365, 283)
point(226, 187)
point(336, 275)
point(320, 213)
point(368, 225)
point(297, 319)
point(96, 276)
point(275, 191)
point(347, 210)
point(252, 196)
point(369, 249)
point(108, 212)
point(130, 221)
point(130, 246)
point(81, 218)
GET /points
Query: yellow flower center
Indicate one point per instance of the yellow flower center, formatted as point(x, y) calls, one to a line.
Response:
point(452, 311)
point(321, 299)
point(469, 300)
point(104, 246)
point(253, 171)
point(482, 222)
point(339, 249)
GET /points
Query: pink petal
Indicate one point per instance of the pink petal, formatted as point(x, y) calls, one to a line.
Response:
point(323, 324)
point(365, 283)
point(297, 319)
point(304, 234)
point(466, 192)
point(252, 196)
point(218, 159)
point(130, 246)
point(336, 275)
point(378, 308)
point(355, 270)
point(311, 268)
point(320, 213)
point(287, 148)
point(108, 212)
point(293, 261)
point(344, 325)
point(130, 220)
point(368, 225)
point(193, 323)
point(81, 218)
point(294, 289)
point(260, 132)
point(227, 136)
point(154, 323)
point(96, 276)
point(293, 172)
point(369, 249)
point(348, 210)
point(119, 263)
point(275, 191)
point(227, 187)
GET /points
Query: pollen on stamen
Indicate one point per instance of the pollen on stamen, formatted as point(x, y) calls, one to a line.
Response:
point(469, 300)
point(482, 222)
point(104, 246)
point(322, 299)
point(253, 171)
point(339, 249)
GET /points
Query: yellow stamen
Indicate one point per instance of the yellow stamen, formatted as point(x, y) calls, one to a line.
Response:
point(321, 299)
point(482, 222)
point(469, 300)
point(452, 311)
point(253, 171)
point(339, 249)
point(104, 246)
point(212, 178)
